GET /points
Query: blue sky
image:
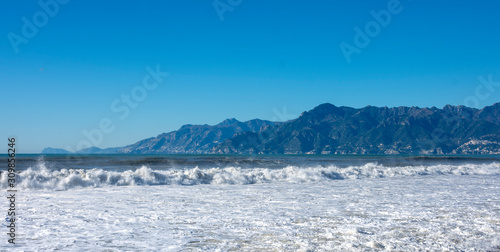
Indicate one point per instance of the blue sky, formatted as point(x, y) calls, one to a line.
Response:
point(266, 59)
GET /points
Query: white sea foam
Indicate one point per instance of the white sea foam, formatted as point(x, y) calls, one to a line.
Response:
point(43, 178)
point(406, 213)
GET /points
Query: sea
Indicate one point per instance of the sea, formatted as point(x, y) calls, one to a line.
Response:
point(253, 203)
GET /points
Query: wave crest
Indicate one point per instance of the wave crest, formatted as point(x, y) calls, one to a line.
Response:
point(43, 178)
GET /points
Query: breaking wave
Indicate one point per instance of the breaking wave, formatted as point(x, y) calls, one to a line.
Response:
point(43, 178)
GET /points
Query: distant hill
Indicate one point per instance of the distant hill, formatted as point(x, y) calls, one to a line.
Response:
point(328, 129)
point(49, 150)
point(95, 150)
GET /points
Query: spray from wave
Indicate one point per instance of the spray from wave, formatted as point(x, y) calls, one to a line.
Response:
point(44, 178)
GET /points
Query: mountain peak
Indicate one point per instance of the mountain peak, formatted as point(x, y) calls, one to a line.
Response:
point(327, 108)
point(228, 121)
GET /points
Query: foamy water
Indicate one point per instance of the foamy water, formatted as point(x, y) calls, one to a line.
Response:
point(42, 178)
point(445, 212)
point(368, 207)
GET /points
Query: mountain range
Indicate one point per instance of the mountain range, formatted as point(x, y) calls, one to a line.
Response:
point(328, 129)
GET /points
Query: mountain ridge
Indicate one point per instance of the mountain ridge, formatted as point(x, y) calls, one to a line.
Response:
point(328, 129)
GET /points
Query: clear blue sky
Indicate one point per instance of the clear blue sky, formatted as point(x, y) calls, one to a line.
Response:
point(262, 57)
